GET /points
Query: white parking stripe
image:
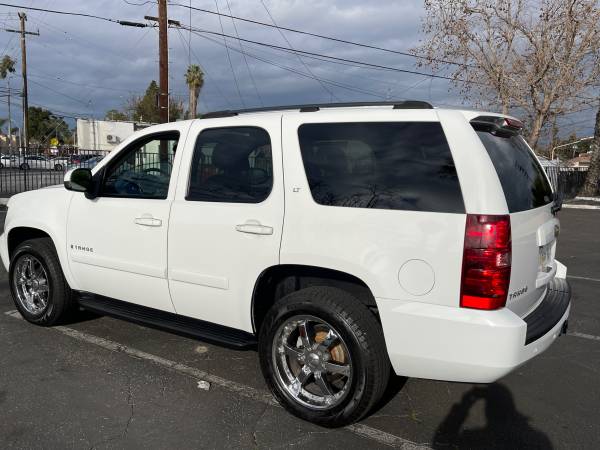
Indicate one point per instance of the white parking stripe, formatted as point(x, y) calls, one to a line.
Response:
point(583, 278)
point(241, 389)
point(588, 199)
point(569, 206)
point(584, 336)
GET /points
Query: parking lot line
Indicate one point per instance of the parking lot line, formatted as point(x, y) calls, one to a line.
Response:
point(584, 336)
point(583, 278)
point(365, 431)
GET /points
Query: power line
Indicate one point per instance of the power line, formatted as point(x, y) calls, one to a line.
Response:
point(208, 76)
point(335, 58)
point(321, 36)
point(363, 64)
point(243, 54)
point(296, 71)
point(71, 13)
point(298, 56)
point(237, 86)
point(61, 93)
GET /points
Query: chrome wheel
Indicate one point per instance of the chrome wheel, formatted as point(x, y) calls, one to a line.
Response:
point(30, 282)
point(312, 362)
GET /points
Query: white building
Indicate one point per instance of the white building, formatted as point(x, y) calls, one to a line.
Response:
point(103, 134)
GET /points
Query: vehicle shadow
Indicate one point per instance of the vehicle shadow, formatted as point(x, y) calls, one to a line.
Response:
point(395, 385)
point(505, 428)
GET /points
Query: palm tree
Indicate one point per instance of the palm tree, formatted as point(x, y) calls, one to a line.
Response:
point(194, 77)
point(7, 65)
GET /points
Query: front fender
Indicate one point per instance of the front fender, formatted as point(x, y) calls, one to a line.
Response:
point(45, 210)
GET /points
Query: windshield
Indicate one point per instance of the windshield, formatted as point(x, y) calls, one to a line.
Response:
point(522, 178)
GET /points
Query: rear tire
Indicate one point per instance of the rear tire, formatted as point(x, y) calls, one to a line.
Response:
point(38, 286)
point(58, 167)
point(24, 166)
point(333, 380)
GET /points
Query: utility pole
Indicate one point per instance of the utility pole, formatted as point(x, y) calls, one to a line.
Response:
point(23, 33)
point(163, 62)
point(9, 118)
point(163, 58)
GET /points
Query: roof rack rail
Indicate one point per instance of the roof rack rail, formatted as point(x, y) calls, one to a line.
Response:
point(403, 104)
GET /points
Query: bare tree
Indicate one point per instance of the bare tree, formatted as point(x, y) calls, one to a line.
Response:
point(540, 58)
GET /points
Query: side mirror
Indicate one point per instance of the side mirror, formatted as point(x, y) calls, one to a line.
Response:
point(79, 180)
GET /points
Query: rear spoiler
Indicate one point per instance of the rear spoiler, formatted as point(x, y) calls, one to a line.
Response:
point(498, 126)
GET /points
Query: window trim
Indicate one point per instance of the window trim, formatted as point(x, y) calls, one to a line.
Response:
point(125, 152)
point(190, 168)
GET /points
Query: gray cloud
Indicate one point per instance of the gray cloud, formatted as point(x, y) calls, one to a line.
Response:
point(82, 66)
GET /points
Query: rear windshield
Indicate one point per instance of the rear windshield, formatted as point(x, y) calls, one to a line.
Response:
point(382, 165)
point(522, 178)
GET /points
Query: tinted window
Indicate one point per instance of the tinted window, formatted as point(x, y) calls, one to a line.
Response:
point(396, 165)
point(231, 165)
point(143, 170)
point(522, 178)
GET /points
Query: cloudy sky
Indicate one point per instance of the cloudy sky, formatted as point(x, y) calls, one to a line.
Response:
point(83, 67)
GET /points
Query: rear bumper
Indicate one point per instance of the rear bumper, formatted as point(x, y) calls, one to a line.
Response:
point(459, 344)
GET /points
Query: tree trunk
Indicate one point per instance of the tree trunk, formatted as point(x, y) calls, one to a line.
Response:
point(193, 102)
point(536, 128)
point(592, 179)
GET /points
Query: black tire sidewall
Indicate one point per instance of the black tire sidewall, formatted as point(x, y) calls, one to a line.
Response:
point(340, 414)
point(56, 299)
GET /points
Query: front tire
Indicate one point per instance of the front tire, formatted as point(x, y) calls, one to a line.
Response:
point(323, 356)
point(58, 167)
point(38, 286)
point(24, 166)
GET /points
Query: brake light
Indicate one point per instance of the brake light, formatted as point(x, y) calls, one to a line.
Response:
point(486, 262)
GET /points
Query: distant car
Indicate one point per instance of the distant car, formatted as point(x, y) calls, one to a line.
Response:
point(89, 163)
point(76, 160)
point(61, 162)
point(35, 162)
point(7, 161)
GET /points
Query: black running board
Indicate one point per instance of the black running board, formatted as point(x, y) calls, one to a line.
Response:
point(187, 326)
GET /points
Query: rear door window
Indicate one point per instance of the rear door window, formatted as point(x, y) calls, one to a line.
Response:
point(381, 165)
point(232, 165)
point(523, 180)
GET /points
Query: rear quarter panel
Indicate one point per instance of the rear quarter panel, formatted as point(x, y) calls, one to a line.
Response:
point(371, 244)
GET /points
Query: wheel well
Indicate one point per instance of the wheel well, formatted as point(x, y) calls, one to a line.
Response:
point(278, 281)
point(22, 234)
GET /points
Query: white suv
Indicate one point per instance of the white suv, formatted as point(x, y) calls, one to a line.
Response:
point(345, 240)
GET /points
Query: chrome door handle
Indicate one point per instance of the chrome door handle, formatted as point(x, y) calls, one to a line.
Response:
point(148, 221)
point(252, 227)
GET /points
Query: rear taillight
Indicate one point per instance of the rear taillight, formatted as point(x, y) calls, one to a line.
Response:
point(486, 262)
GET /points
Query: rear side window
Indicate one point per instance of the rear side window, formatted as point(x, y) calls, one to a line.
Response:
point(381, 165)
point(522, 178)
point(231, 164)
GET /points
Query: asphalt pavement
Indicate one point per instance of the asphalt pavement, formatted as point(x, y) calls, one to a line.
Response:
point(101, 383)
